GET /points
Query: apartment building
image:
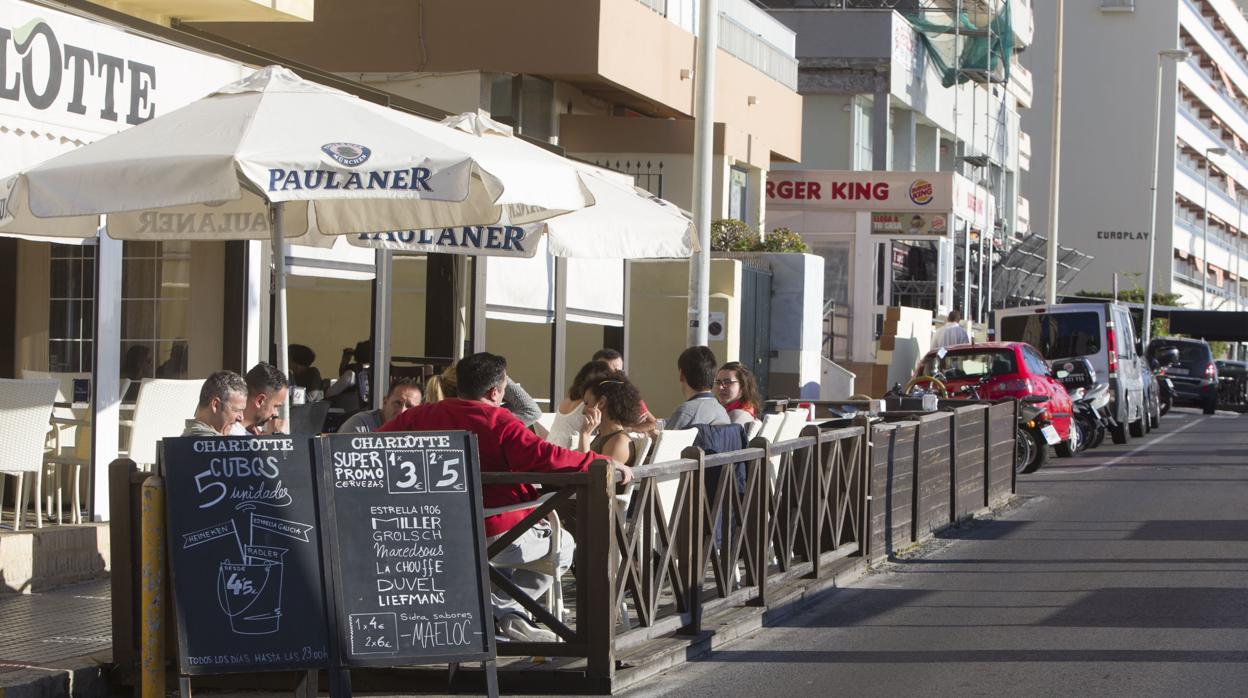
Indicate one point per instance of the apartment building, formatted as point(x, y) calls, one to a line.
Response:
point(892, 87)
point(606, 81)
point(1111, 61)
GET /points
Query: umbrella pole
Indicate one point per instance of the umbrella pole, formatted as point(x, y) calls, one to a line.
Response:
point(281, 337)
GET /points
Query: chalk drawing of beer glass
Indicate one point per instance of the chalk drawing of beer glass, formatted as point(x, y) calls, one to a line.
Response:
point(251, 595)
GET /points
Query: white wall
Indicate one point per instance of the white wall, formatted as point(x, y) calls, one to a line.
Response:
point(1108, 98)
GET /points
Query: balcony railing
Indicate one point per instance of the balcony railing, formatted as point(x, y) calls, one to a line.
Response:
point(738, 39)
point(753, 49)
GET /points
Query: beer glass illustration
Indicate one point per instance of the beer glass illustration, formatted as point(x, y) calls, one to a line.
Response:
point(251, 595)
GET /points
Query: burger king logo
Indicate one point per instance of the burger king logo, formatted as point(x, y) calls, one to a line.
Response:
point(921, 192)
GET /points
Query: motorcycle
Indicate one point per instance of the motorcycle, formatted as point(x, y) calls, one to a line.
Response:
point(1034, 436)
point(1090, 412)
point(1092, 415)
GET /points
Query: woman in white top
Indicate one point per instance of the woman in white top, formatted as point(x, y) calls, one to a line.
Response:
point(570, 419)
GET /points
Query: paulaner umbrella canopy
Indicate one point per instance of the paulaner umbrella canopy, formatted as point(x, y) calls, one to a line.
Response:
point(625, 222)
point(276, 156)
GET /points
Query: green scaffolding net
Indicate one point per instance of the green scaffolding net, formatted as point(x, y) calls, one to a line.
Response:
point(975, 43)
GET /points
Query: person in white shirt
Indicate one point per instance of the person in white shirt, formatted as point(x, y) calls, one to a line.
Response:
point(951, 332)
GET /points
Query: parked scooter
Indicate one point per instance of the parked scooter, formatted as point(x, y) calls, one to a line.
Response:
point(1090, 411)
point(1092, 415)
point(1035, 434)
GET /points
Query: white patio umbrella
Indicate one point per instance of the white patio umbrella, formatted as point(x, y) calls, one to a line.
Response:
point(626, 222)
point(276, 156)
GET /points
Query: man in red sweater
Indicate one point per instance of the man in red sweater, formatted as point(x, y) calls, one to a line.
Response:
point(504, 445)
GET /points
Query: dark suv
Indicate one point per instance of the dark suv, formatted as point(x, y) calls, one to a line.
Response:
point(1195, 374)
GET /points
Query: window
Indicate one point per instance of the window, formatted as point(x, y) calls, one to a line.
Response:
point(155, 309)
point(970, 365)
point(864, 158)
point(1035, 363)
point(1117, 5)
point(739, 194)
point(71, 311)
point(1056, 335)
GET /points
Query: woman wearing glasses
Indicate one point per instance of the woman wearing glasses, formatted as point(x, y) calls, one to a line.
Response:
point(737, 391)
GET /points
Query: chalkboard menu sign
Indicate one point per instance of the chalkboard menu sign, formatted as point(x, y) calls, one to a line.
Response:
point(403, 520)
point(245, 554)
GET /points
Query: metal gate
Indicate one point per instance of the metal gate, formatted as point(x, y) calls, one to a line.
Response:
point(756, 323)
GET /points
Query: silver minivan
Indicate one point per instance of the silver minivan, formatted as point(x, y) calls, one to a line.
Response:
point(1100, 332)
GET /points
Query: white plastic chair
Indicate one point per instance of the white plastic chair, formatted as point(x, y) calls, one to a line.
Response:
point(752, 430)
point(25, 413)
point(61, 447)
point(160, 411)
point(790, 428)
point(543, 423)
point(770, 428)
point(671, 443)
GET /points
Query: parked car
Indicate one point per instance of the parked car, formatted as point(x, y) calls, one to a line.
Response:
point(1002, 370)
point(1101, 332)
point(1232, 382)
point(1195, 374)
point(1159, 362)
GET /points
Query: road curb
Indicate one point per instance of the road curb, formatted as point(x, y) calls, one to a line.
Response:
point(80, 677)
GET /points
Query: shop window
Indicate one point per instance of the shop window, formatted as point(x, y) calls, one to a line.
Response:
point(155, 309)
point(71, 311)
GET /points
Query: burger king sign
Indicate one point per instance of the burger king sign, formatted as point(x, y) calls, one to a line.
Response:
point(921, 192)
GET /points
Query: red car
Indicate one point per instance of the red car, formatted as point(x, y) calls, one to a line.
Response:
point(1002, 370)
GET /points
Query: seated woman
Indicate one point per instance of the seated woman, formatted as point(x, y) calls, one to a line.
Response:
point(738, 392)
point(614, 404)
point(570, 416)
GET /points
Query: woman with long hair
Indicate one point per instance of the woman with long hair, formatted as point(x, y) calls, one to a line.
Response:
point(570, 428)
point(738, 392)
point(615, 403)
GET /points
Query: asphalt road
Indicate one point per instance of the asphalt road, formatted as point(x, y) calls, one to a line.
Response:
point(1121, 572)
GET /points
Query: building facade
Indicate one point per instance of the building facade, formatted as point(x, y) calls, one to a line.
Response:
point(1110, 70)
point(890, 86)
point(610, 82)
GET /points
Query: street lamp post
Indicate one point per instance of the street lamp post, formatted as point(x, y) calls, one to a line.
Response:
point(1239, 279)
point(1204, 245)
point(1162, 56)
point(1055, 174)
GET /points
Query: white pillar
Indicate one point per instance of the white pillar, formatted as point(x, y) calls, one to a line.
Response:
point(703, 176)
point(280, 330)
point(256, 311)
point(383, 266)
point(106, 370)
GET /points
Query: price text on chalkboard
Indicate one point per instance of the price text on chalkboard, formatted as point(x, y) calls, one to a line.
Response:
point(406, 547)
point(245, 554)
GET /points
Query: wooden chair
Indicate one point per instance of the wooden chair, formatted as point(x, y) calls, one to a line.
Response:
point(25, 413)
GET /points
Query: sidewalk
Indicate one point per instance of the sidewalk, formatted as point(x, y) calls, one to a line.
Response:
point(56, 642)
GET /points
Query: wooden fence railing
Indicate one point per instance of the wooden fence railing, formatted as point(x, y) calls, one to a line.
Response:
point(710, 532)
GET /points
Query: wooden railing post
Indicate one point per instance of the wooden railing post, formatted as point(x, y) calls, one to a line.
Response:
point(815, 500)
point(597, 616)
point(862, 497)
point(760, 509)
point(689, 536)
